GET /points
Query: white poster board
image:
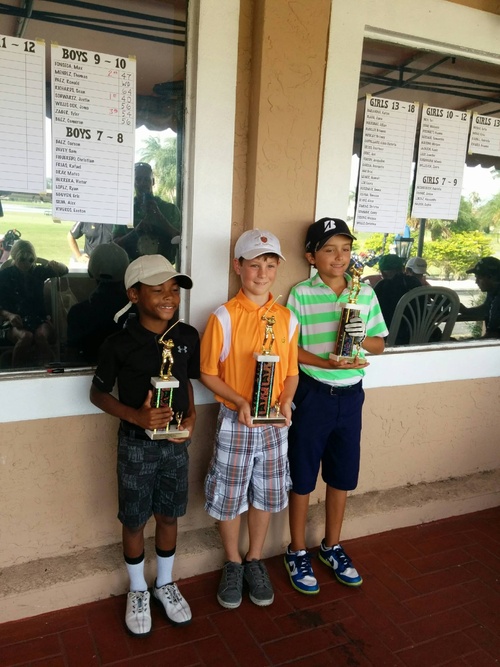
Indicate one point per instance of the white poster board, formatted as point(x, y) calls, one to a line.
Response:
point(93, 131)
point(385, 167)
point(484, 135)
point(441, 163)
point(22, 115)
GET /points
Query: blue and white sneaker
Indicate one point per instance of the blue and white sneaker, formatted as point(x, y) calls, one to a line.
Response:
point(336, 558)
point(299, 568)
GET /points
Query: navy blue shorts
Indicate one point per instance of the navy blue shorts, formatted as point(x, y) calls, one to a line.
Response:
point(326, 431)
point(152, 478)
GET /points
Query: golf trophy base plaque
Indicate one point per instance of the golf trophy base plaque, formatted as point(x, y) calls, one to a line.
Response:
point(162, 395)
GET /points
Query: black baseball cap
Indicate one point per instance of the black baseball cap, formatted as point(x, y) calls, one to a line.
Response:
point(390, 263)
point(319, 232)
point(486, 266)
point(143, 165)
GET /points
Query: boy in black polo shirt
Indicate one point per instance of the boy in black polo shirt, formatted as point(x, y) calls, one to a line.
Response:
point(152, 474)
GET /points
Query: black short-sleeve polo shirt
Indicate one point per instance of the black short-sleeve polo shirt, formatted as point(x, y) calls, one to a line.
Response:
point(133, 355)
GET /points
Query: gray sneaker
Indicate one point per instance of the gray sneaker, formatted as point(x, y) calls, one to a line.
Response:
point(260, 588)
point(231, 585)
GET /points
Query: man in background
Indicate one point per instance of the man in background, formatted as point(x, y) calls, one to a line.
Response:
point(91, 321)
point(391, 288)
point(95, 234)
point(487, 272)
point(417, 267)
point(157, 224)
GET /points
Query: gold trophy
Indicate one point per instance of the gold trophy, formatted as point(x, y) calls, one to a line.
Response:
point(163, 390)
point(262, 410)
point(346, 349)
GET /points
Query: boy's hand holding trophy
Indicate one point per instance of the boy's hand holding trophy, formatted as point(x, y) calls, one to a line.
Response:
point(352, 330)
point(163, 391)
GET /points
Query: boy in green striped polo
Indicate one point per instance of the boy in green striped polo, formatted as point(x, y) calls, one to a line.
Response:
point(326, 425)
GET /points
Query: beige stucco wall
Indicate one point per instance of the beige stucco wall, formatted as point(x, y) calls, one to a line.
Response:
point(58, 491)
point(281, 70)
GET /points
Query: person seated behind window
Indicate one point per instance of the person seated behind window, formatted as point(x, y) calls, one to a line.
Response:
point(157, 224)
point(391, 288)
point(91, 321)
point(22, 304)
point(487, 272)
point(417, 267)
point(95, 234)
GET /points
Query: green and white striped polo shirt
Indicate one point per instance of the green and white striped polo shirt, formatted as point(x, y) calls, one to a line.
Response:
point(317, 309)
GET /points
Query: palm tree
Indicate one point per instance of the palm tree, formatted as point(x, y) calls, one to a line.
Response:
point(489, 213)
point(163, 159)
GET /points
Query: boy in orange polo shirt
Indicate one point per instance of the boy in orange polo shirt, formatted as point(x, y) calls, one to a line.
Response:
point(249, 468)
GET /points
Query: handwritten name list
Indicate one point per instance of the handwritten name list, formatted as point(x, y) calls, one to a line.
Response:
point(93, 127)
point(22, 115)
point(385, 167)
point(484, 135)
point(441, 162)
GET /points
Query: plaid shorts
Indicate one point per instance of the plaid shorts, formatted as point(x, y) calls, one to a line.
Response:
point(249, 467)
point(152, 478)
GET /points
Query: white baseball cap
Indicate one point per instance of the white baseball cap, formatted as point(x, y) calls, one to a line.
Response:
point(417, 265)
point(151, 270)
point(154, 270)
point(256, 242)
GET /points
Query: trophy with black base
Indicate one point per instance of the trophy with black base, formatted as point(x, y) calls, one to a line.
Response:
point(262, 410)
point(346, 346)
point(163, 391)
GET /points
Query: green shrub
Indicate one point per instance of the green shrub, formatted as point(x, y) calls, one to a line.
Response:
point(456, 254)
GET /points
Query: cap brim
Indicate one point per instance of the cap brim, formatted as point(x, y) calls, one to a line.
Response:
point(252, 254)
point(325, 238)
point(183, 280)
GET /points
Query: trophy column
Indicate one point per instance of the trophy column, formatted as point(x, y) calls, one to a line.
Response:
point(163, 391)
point(262, 410)
point(345, 347)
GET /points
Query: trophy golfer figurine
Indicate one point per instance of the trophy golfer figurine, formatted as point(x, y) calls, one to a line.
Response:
point(268, 334)
point(262, 410)
point(346, 347)
point(163, 386)
point(166, 357)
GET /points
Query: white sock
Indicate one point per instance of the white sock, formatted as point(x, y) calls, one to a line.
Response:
point(136, 575)
point(291, 552)
point(164, 566)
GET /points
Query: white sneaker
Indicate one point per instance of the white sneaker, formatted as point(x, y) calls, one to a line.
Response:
point(138, 614)
point(176, 607)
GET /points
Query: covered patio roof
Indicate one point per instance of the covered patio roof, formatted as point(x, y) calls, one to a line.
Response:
point(153, 31)
point(439, 79)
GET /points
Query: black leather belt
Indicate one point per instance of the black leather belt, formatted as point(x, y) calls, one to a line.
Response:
point(330, 389)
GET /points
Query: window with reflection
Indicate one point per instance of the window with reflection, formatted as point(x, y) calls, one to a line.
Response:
point(91, 134)
point(431, 250)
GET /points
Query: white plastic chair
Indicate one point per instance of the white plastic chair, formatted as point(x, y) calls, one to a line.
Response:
point(423, 309)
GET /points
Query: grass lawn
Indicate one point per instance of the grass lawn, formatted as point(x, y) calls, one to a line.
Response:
point(48, 237)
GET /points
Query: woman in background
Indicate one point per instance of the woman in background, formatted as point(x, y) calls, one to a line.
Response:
point(22, 305)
